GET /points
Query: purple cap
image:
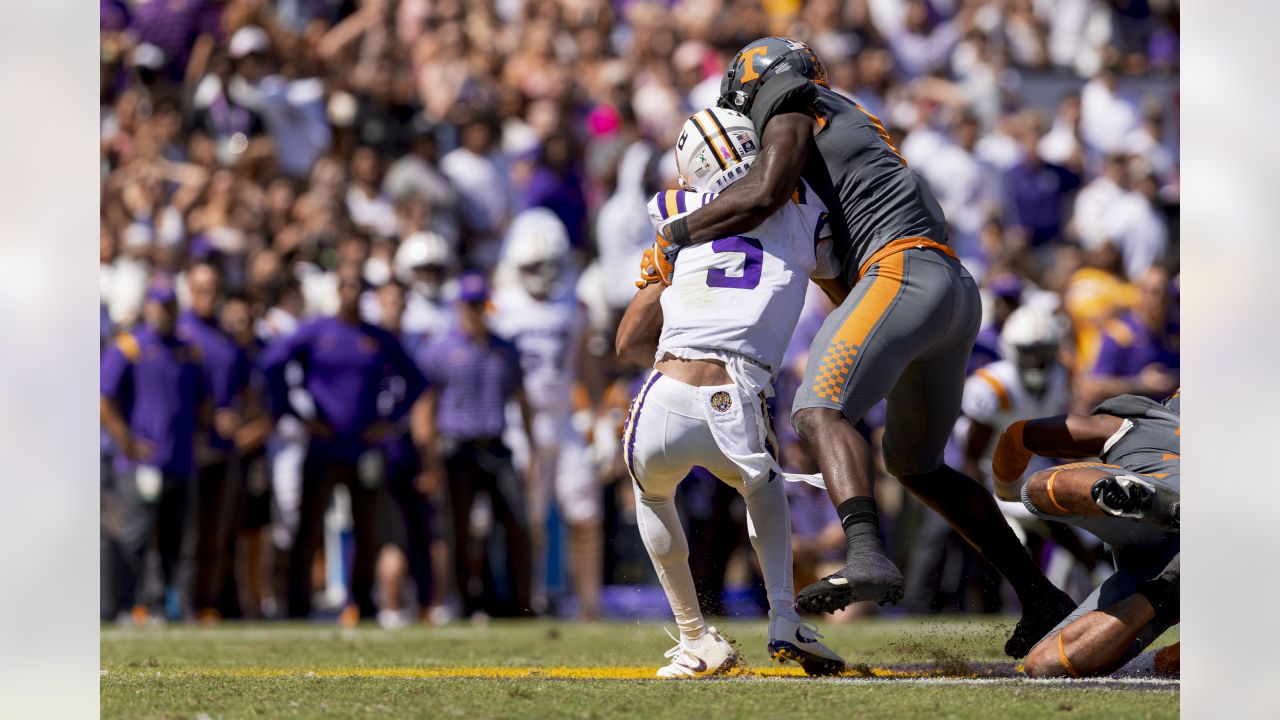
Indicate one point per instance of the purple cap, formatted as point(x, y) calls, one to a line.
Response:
point(473, 287)
point(1007, 286)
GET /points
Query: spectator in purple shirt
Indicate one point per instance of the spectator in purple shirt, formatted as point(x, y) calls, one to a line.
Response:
point(345, 362)
point(150, 395)
point(473, 375)
point(1036, 192)
point(1139, 351)
point(226, 374)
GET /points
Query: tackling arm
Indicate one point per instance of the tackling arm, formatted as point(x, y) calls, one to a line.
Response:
point(751, 200)
point(1061, 436)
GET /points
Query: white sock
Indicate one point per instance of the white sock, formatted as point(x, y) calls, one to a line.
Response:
point(769, 527)
point(669, 549)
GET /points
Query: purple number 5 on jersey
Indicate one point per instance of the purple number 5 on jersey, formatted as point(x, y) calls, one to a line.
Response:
point(753, 260)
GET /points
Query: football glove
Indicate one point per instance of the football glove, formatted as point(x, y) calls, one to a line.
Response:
point(648, 270)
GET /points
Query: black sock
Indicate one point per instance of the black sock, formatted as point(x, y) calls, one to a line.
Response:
point(972, 511)
point(861, 522)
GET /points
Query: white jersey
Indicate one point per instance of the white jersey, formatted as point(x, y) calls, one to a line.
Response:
point(743, 294)
point(995, 396)
point(547, 334)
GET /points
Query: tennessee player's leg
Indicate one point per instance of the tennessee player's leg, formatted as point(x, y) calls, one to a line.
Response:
point(922, 410)
point(852, 366)
point(1112, 626)
point(1097, 490)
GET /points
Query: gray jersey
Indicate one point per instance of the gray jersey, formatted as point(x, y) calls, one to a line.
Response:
point(856, 169)
point(1150, 442)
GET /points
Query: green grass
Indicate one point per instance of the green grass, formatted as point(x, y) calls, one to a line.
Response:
point(297, 670)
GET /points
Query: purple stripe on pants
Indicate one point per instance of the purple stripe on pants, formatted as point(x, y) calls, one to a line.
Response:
point(635, 420)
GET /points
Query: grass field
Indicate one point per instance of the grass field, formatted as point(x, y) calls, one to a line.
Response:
point(904, 668)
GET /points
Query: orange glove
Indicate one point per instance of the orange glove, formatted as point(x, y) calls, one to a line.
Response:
point(648, 270)
point(1009, 461)
point(654, 266)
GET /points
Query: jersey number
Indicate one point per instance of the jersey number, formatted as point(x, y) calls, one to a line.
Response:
point(752, 263)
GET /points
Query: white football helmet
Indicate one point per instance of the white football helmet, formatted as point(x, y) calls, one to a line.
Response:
point(715, 149)
point(1030, 339)
point(537, 247)
point(423, 249)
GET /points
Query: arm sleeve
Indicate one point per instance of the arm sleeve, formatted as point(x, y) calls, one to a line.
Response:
point(781, 93)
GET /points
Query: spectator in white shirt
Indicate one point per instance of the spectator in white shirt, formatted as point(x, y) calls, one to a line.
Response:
point(485, 196)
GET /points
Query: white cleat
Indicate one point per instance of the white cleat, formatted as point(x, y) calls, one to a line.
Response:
point(707, 656)
point(790, 638)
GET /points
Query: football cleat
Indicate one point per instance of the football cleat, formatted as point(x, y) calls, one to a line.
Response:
point(793, 639)
point(708, 656)
point(1037, 620)
point(1129, 496)
point(874, 578)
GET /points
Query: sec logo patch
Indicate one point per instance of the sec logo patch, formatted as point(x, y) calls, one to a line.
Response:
point(721, 401)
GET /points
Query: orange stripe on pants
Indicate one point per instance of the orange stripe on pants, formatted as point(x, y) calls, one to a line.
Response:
point(837, 362)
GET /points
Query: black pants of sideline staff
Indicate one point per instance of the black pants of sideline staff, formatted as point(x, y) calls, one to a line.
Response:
point(320, 475)
point(485, 466)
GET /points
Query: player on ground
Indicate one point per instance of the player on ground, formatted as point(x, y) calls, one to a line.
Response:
point(540, 314)
point(725, 321)
point(1131, 501)
point(904, 333)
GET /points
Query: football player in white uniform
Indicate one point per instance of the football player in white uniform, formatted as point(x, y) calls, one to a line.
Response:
point(423, 262)
point(1028, 382)
point(726, 318)
point(537, 310)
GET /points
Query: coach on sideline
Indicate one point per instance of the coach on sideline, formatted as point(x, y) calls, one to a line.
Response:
point(150, 395)
point(345, 362)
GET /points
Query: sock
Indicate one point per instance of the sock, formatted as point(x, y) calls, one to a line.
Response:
point(972, 511)
point(861, 522)
point(669, 550)
point(769, 527)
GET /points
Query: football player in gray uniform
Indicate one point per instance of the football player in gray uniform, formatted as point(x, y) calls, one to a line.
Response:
point(1131, 501)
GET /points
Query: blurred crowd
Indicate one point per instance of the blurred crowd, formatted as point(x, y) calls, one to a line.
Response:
point(361, 265)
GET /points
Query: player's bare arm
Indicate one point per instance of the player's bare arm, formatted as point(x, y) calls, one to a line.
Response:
point(748, 202)
point(640, 327)
point(1061, 436)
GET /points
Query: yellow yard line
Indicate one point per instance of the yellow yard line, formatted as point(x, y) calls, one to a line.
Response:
point(534, 673)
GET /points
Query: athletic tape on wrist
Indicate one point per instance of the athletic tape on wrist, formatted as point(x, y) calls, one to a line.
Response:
point(680, 231)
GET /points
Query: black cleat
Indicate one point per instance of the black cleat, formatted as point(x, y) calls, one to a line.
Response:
point(1037, 620)
point(874, 577)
